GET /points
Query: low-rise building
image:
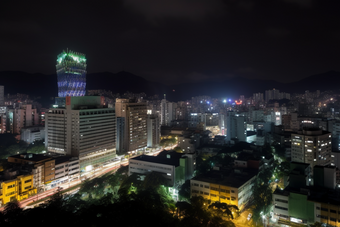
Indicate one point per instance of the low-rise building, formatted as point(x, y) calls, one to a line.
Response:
point(32, 133)
point(17, 189)
point(304, 204)
point(48, 171)
point(67, 169)
point(218, 186)
point(175, 167)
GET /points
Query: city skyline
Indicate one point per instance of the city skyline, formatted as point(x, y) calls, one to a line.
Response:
point(177, 41)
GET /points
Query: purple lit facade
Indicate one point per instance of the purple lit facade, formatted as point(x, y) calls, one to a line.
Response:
point(71, 71)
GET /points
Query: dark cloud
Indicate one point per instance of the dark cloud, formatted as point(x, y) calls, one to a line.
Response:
point(174, 41)
point(278, 32)
point(190, 9)
point(302, 3)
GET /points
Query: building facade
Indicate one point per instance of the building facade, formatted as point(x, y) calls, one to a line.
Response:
point(154, 130)
point(312, 146)
point(233, 189)
point(33, 133)
point(83, 129)
point(174, 167)
point(71, 71)
point(135, 124)
point(236, 127)
point(16, 189)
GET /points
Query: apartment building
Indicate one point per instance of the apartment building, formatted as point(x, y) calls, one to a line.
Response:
point(17, 189)
point(312, 146)
point(174, 167)
point(154, 130)
point(135, 125)
point(84, 128)
point(302, 203)
point(218, 186)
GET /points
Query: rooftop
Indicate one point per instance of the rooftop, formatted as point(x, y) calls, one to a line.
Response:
point(231, 179)
point(155, 159)
point(31, 157)
point(315, 194)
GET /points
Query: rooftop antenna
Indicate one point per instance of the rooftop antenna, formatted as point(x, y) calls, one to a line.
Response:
point(165, 96)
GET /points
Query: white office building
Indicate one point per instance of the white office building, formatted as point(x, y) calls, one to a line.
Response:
point(83, 129)
point(236, 127)
point(312, 146)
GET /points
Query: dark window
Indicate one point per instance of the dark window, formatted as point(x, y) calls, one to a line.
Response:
point(333, 211)
point(324, 209)
point(281, 208)
point(281, 200)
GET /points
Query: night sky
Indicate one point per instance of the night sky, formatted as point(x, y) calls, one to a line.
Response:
point(175, 41)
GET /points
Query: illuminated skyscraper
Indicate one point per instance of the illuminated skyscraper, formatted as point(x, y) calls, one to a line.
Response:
point(71, 71)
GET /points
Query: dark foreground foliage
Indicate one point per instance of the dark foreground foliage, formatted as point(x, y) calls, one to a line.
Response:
point(133, 204)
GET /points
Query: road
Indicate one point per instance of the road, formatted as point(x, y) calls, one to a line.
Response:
point(92, 174)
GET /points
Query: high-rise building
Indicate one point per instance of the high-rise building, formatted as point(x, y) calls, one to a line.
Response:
point(71, 71)
point(20, 117)
point(154, 130)
point(120, 135)
point(3, 119)
point(135, 130)
point(2, 95)
point(168, 112)
point(84, 128)
point(312, 146)
point(235, 126)
point(258, 97)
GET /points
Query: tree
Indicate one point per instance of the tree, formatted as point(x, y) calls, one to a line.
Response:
point(178, 150)
point(184, 191)
point(37, 147)
point(154, 180)
point(223, 209)
point(316, 224)
point(262, 199)
point(12, 212)
point(202, 166)
point(168, 142)
point(130, 184)
point(14, 149)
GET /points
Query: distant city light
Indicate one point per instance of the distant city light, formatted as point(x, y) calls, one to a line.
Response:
point(225, 101)
point(229, 100)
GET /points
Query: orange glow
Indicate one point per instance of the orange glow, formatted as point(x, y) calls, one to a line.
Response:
point(238, 102)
